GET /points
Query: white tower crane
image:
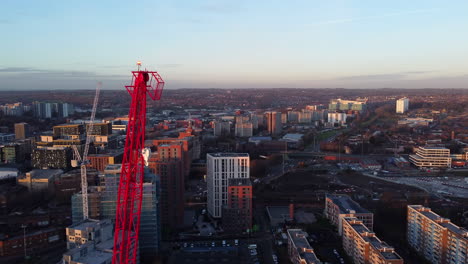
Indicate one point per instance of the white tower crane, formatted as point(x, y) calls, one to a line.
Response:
point(84, 161)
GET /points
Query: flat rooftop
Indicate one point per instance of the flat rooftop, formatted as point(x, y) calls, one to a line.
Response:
point(229, 154)
point(346, 204)
point(112, 167)
point(382, 247)
point(44, 174)
point(443, 222)
point(278, 212)
point(240, 182)
point(299, 239)
point(89, 223)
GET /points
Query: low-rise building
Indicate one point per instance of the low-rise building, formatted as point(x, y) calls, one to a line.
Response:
point(89, 242)
point(338, 207)
point(279, 215)
point(36, 241)
point(430, 157)
point(371, 164)
point(299, 249)
point(40, 180)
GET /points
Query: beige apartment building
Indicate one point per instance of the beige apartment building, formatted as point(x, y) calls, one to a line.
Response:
point(364, 247)
point(436, 238)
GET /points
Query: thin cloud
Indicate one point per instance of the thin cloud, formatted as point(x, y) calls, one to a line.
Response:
point(56, 73)
point(356, 19)
point(387, 76)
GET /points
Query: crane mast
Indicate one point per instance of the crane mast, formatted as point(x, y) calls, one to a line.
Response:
point(130, 190)
point(84, 160)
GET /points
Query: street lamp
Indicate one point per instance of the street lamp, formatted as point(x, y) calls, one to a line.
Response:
point(24, 240)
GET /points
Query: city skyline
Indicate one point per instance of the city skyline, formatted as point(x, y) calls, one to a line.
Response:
point(221, 44)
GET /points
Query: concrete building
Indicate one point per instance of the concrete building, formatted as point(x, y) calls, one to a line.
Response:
point(89, 230)
point(371, 164)
point(279, 215)
point(100, 161)
point(337, 118)
point(89, 242)
point(51, 157)
point(337, 207)
point(402, 105)
point(293, 116)
point(274, 123)
point(36, 241)
point(243, 127)
point(100, 129)
point(6, 137)
point(431, 157)
point(40, 180)
point(102, 205)
point(169, 163)
point(436, 238)
point(363, 246)
point(15, 109)
point(69, 183)
point(71, 131)
point(95, 204)
point(22, 130)
point(103, 200)
point(220, 168)
point(305, 117)
point(42, 110)
point(415, 121)
point(221, 128)
point(237, 214)
point(340, 104)
point(299, 249)
point(13, 153)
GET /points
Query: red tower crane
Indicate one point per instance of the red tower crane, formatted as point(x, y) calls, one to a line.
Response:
point(128, 211)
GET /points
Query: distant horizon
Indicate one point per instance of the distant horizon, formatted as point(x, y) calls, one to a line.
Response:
point(262, 88)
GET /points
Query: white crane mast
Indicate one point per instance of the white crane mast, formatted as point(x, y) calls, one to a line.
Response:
point(84, 161)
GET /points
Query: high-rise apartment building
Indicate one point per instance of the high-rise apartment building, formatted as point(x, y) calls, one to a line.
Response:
point(402, 105)
point(42, 110)
point(22, 130)
point(168, 163)
point(299, 249)
point(305, 116)
point(274, 123)
point(237, 214)
point(16, 109)
point(337, 118)
point(221, 128)
point(337, 207)
point(293, 116)
point(437, 239)
point(431, 157)
point(243, 127)
point(363, 246)
point(220, 168)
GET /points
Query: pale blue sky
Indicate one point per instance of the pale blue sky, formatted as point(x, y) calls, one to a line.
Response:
point(228, 44)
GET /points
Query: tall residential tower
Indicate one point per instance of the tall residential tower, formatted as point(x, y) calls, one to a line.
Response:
point(220, 168)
